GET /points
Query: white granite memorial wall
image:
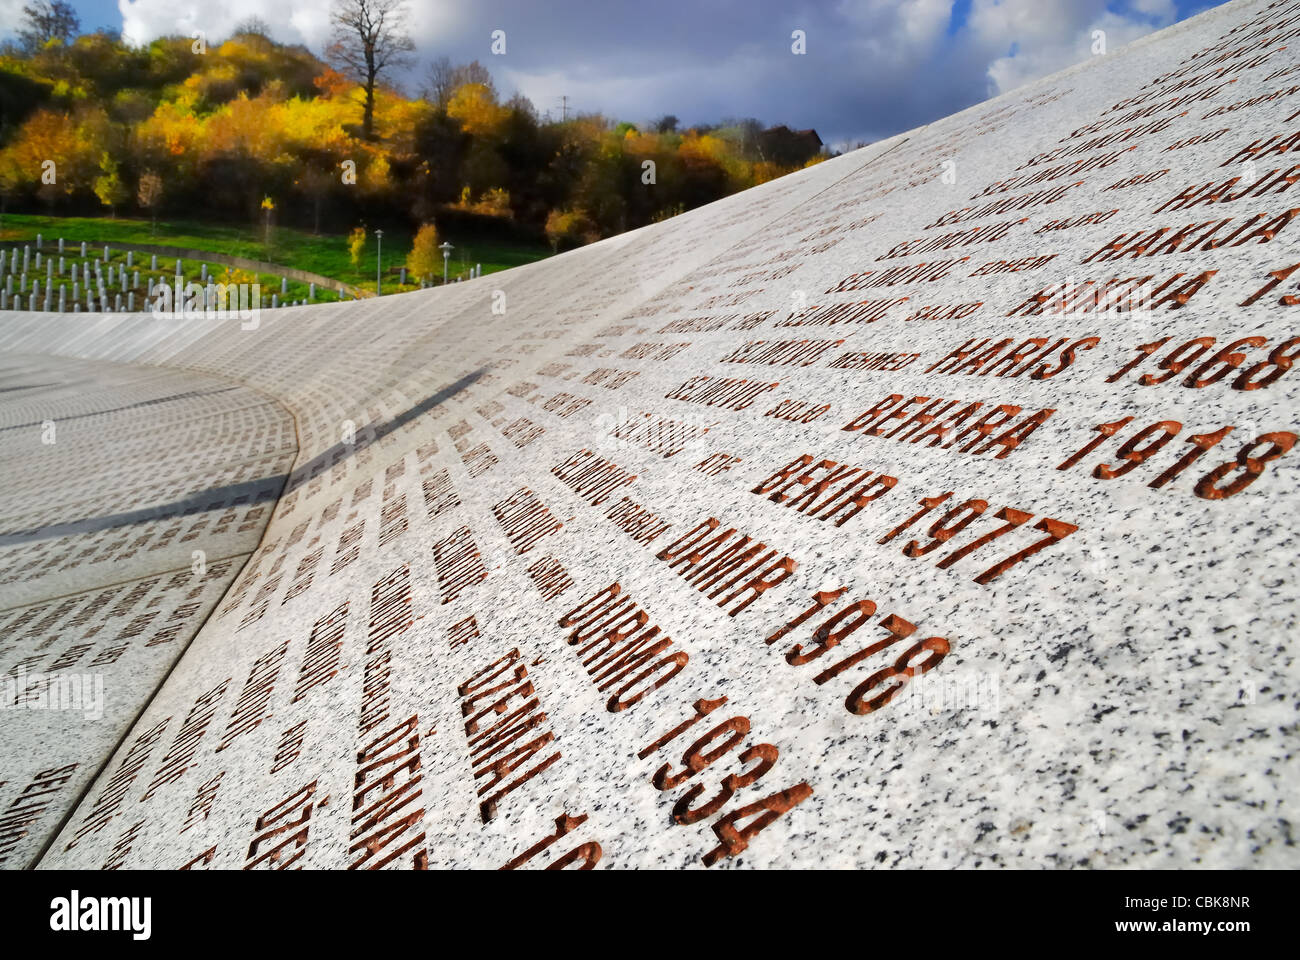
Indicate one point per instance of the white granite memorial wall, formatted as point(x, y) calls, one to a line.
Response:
point(925, 508)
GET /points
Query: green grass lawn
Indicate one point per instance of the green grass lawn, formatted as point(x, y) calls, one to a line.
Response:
point(326, 254)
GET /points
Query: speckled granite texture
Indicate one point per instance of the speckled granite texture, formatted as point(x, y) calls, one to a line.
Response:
point(961, 466)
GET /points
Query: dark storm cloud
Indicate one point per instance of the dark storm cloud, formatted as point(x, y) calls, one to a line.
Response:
point(872, 68)
point(724, 58)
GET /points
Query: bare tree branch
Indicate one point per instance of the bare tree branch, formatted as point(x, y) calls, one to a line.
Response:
point(369, 37)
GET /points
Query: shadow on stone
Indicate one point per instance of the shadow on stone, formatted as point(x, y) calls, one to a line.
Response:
point(250, 491)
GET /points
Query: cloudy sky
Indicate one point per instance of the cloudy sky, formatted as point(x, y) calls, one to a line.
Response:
point(872, 67)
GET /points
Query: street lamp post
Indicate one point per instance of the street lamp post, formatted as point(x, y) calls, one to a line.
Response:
point(446, 249)
point(379, 264)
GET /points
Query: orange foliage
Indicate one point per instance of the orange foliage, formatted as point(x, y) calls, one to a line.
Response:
point(172, 130)
point(331, 83)
point(71, 145)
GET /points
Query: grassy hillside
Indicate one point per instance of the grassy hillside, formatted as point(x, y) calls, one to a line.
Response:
point(324, 254)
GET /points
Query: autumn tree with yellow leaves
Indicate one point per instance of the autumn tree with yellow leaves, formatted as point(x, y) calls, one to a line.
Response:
point(423, 260)
point(356, 246)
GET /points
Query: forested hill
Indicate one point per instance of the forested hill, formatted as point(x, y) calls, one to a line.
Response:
point(234, 128)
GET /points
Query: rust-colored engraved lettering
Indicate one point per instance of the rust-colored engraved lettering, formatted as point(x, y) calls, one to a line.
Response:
point(591, 477)
point(588, 853)
point(30, 806)
point(181, 754)
point(250, 708)
point(109, 802)
point(525, 520)
point(503, 746)
point(728, 571)
point(842, 492)
point(272, 825)
point(458, 563)
point(1244, 469)
point(320, 661)
point(636, 521)
point(439, 494)
point(290, 747)
point(203, 800)
point(615, 638)
point(387, 815)
point(122, 848)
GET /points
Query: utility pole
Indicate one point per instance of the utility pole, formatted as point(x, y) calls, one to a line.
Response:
point(564, 107)
point(379, 263)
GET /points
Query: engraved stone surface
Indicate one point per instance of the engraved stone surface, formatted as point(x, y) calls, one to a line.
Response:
point(931, 507)
point(133, 496)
